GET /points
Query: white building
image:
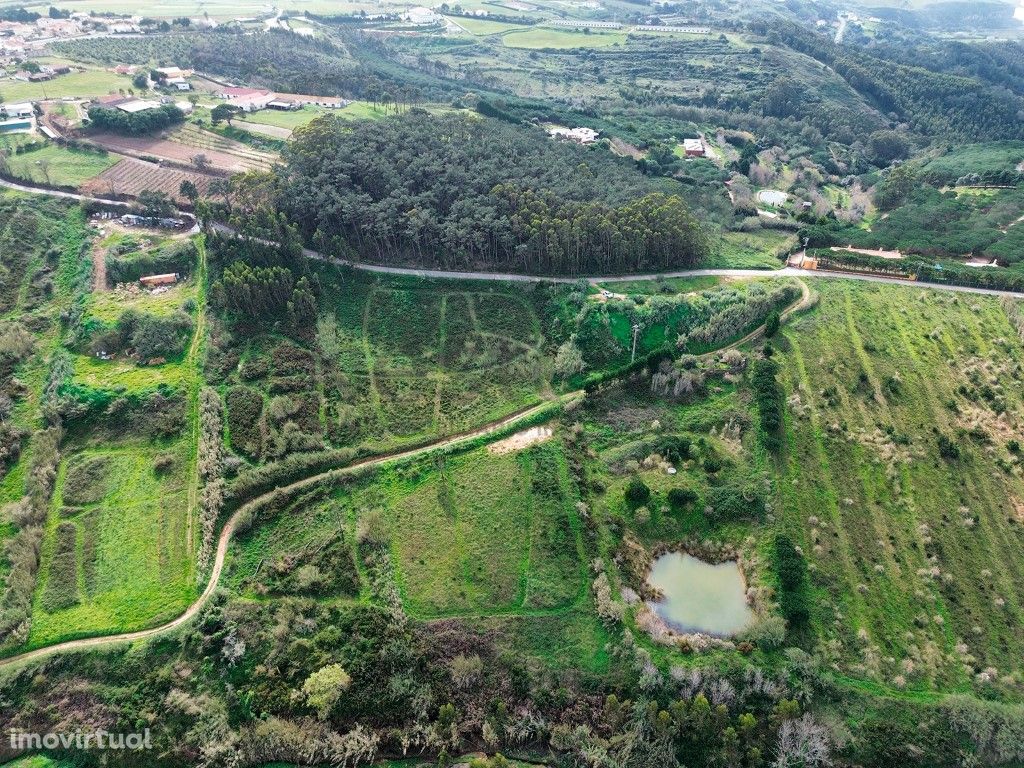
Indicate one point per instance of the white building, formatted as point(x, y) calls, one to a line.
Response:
point(137, 105)
point(17, 110)
point(579, 135)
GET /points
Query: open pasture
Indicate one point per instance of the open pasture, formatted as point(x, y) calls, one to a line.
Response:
point(902, 482)
point(87, 84)
point(480, 534)
point(60, 166)
point(546, 37)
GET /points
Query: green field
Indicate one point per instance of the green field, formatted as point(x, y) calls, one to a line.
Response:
point(750, 250)
point(60, 166)
point(92, 82)
point(107, 306)
point(131, 564)
point(483, 27)
point(539, 38)
point(917, 556)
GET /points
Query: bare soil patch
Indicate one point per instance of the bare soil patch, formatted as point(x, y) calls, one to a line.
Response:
point(173, 151)
point(131, 176)
point(521, 440)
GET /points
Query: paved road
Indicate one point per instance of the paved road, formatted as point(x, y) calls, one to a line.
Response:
point(441, 274)
point(510, 277)
point(65, 195)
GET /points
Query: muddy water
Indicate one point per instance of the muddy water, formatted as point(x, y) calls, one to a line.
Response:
point(699, 596)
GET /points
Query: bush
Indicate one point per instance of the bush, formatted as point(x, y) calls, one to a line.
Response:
point(245, 411)
point(637, 493)
point(948, 449)
point(681, 497)
point(85, 481)
point(770, 403)
point(792, 571)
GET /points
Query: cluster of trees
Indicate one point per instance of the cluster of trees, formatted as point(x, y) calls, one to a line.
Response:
point(135, 123)
point(279, 60)
point(211, 470)
point(265, 294)
point(148, 336)
point(22, 549)
point(931, 224)
point(454, 193)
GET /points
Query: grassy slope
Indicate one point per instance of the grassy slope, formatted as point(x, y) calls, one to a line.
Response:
point(92, 82)
point(562, 38)
point(64, 167)
point(878, 372)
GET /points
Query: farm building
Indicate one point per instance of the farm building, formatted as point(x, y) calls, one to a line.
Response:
point(171, 73)
point(694, 147)
point(421, 16)
point(331, 102)
point(253, 103)
point(184, 106)
point(178, 82)
point(17, 110)
point(153, 281)
point(288, 106)
point(578, 135)
point(132, 106)
point(592, 24)
point(233, 92)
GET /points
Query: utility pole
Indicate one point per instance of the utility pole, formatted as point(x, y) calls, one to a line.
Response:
point(636, 330)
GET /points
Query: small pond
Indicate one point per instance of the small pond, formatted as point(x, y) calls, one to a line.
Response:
point(699, 596)
point(772, 197)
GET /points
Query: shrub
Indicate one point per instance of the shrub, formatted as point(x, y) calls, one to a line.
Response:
point(637, 492)
point(948, 449)
point(85, 481)
point(770, 403)
point(792, 570)
point(682, 496)
point(62, 582)
point(466, 670)
point(768, 632)
point(245, 411)
point(323, 688)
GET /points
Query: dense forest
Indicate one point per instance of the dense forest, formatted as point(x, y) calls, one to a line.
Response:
point(931, 102)
point(458, 192)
